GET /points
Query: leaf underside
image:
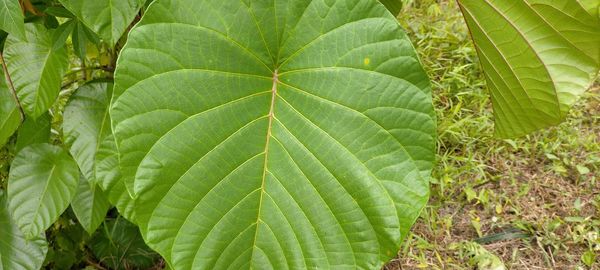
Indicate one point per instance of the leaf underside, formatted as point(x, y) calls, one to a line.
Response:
point(539, 56)
point(273, 134)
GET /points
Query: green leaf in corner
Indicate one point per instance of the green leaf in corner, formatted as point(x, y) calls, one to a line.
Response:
point(89, 205)
point(108, 18)
point(17, 252)
point(10, 119)
point(255, 137)
point(11, 18)
point(86, 123)
point(34, 131)
point(41, 183)
point(35, 68)
point(538, 56)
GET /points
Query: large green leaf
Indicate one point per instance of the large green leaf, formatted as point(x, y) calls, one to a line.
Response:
point(86, 123)
point(539, 56)
point(10, 119)
point(108, 18)
point(17, 252)
point(273, 134)
point(11, 18)
point(90, 205)
point(108, 176)
point(36, 70)
point(42, 180)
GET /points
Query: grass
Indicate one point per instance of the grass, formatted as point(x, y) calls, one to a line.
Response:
point(532, 202)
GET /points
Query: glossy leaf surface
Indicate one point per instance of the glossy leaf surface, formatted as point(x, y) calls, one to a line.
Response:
point(42, 181)
point(35, 68)
point(539, 56)
point(17, 252)
point(108, 18)
point(273, 134)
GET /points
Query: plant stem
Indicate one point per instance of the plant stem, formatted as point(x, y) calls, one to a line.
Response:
point(12, 87)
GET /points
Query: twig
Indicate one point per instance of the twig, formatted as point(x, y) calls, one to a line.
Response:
point(12, 88)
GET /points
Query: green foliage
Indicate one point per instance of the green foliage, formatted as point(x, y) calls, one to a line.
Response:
point(295, 125)
point(108, 18)
point(279, 134)
point(86, 123)
point(35, 68)
point(17, 251)
point(89, 205)
point(119, 245)
point(34, 131)
point(10, 119)
point(43, 179)
point(539, 56)
point(11, 18)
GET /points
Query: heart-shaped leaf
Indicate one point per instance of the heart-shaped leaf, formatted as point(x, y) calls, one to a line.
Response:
point(108, 18)
point(17, 252)
point(42, 180)
point(35, 68)
point(273, 134)
point(539, 56)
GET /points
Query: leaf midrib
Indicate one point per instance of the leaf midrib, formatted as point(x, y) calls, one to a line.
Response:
point(41, 199)
point(271, 115)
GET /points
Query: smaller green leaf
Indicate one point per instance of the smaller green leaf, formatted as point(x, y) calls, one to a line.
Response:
point(42, 181)
point(588, 258)
point(79, 40)
point(90, 205)
point(120, 246)
point(34, 131)
point(61, 34)
point(9, 113)
point(11, 18)
point(17, 252)
point(35, 68)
